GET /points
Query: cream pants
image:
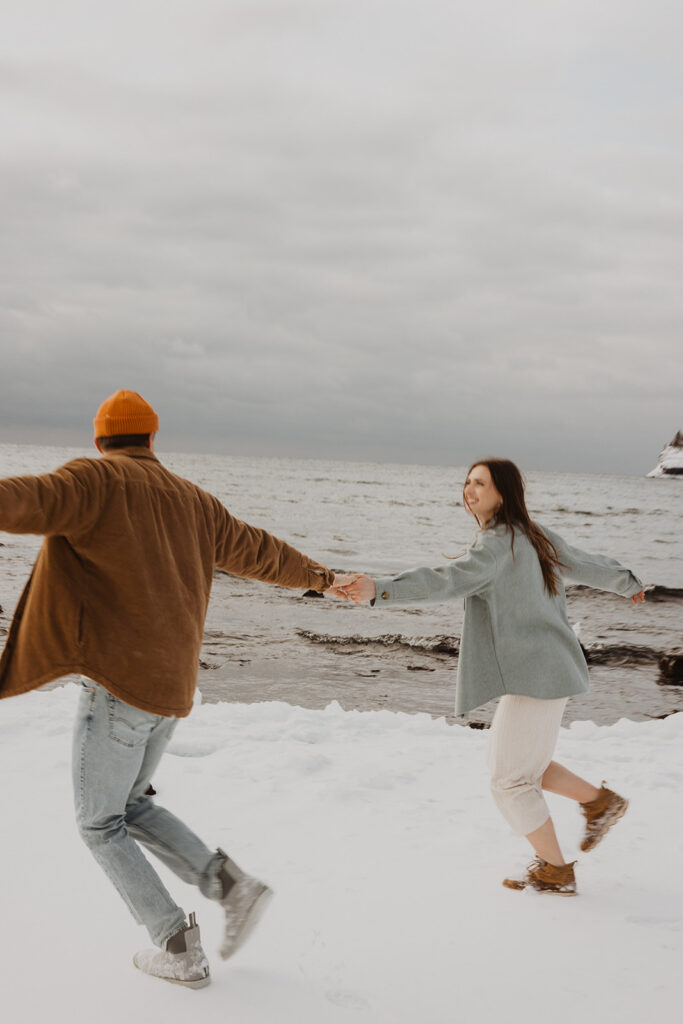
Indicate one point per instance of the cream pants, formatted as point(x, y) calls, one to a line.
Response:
point(522, 741)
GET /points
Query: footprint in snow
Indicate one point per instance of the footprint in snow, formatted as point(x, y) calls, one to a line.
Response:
point(347, 999)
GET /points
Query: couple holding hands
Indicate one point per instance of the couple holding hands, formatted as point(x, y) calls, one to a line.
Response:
point(119, 594)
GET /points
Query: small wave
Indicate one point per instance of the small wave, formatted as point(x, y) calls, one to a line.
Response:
point(577, 511)
point(593, 514)
point(211, 635)
point(344, 480)
point(595, 654)
point(435, 644)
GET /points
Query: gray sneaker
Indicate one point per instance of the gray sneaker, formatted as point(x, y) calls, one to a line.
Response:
point(181, 961)
point(244, 900)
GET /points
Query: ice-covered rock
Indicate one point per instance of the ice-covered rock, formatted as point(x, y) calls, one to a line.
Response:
point(670, 461)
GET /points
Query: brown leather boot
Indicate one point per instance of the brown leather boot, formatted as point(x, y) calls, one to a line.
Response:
point(601, 814)
point(544, 877)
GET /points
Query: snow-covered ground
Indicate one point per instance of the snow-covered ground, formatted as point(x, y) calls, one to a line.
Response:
point(386, 853)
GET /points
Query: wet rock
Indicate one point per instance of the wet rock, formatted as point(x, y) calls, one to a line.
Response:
point(620, 654)
point(313, 593)
point(671, 670)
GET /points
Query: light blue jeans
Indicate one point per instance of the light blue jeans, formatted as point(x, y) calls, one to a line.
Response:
point(116, 750)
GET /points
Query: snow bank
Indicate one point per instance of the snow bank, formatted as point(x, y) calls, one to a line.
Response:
point(386, 853)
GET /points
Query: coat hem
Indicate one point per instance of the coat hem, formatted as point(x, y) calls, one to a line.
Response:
point(517, 692)
point(97, 677)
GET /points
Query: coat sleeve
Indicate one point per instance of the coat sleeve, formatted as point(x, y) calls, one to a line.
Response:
point(62, 503)
point(464, 577)
point(598, 571)
point(246, 550)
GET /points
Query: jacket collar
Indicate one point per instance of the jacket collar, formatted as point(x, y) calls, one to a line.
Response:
point(132, 453)
point(497, 531)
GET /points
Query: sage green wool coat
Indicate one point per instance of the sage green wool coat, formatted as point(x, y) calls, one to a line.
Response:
point(516, 637)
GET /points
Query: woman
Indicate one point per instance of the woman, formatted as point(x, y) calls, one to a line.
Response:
point(517, 644)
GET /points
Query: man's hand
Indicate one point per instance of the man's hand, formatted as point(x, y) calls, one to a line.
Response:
point(639, 597)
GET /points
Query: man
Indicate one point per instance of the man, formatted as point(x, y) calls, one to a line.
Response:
point(119, 594)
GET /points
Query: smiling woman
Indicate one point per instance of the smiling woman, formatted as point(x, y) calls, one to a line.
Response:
point(517, 644)
point(480, 495)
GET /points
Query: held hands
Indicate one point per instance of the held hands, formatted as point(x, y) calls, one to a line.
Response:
point(354, 587)
point(639, 597)
point(341, 582)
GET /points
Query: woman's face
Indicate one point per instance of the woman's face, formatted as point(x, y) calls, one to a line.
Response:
point(481, 497)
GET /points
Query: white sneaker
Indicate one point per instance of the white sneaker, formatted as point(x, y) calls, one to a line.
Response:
point(244, 903)
point(182, 961)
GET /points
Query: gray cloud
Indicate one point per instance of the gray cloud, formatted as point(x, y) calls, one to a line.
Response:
point(387, 230)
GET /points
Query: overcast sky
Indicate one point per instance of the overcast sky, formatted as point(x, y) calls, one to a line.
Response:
point(404, 230)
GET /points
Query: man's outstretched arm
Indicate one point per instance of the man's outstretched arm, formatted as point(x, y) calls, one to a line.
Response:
point(249, 551)
point(62, 502)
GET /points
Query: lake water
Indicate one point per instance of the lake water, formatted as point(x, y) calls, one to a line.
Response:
point(266, 643)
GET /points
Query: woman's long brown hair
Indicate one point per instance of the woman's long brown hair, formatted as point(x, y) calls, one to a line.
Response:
point(513, 515)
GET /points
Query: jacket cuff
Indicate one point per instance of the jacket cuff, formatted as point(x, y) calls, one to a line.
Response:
point(320, 578)
point(635, 586)
point(386, 592)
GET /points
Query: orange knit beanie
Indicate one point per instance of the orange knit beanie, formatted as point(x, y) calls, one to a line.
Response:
point(125, 412)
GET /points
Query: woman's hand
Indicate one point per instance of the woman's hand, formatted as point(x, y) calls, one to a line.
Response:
point(340, 584)
point(639, 597)
point(362, 589)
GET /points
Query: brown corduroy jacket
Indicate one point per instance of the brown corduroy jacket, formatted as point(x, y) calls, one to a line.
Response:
point(121, 585)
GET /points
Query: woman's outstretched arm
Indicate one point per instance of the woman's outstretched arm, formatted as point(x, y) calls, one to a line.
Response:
point(462, 578)
point(598, 571)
